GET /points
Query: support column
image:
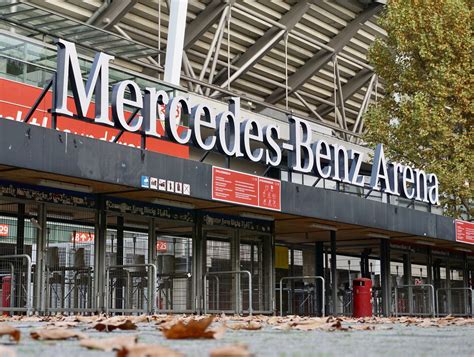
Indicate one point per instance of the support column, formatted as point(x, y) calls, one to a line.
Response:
point(199, 259)
point(407, 280)
point(20, 229)
point(319, 261)
point(41, 285)
point(333, 273)
point(235, 261)
point(20, 248)
point(429, 272)
point(465, 278)
point(119, 261)
point(174, 47)
point(152, 259)
point(448, 286)
point(99, 257)
point(385, 276)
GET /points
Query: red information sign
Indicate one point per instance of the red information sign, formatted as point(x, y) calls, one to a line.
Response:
point(161, 246)
point(4, 228)
point(464, 232)
point(83, 237)
point(245, 189)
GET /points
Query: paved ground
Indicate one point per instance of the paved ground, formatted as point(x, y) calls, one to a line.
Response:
point(385, 340)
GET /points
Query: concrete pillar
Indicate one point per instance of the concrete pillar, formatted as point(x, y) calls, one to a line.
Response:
point(407, 280)
point(174, 46)
point(319, 259)
point(333, 272)
point(385, 276)
point(99, 257)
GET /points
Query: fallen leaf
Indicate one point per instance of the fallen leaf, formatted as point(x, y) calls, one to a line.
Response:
point(14, 333)
point(192, 328)
point(109, 344)
point(113, 324)
point(230, 351)
point(56, 334)
point(62, 324)
point(142, 350)
point(245, 326)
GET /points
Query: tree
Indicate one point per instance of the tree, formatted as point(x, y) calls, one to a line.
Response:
point(426, 115)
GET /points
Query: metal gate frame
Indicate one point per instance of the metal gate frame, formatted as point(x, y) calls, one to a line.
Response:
point(234, 272)
point(29, 296)
point(151, 285)
point(316, 277)
point(430, 286)
point(451, 289)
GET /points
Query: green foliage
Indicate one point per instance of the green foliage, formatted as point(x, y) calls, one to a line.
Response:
point(426, 116)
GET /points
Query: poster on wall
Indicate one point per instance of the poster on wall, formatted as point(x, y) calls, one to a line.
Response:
point(245, 189)
point(464, 231)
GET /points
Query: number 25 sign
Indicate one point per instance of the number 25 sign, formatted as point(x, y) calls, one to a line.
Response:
point(4, 230)
point(161, 246)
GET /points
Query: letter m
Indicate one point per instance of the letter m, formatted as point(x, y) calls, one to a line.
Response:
point(68, 71)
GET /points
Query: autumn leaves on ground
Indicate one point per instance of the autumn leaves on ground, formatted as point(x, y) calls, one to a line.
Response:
point(187, 327)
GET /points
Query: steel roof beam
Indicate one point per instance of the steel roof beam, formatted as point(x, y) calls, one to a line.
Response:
point(348, 89)
point(203, 22)
point(265, 43)
point(322, 57)
point(113, 13)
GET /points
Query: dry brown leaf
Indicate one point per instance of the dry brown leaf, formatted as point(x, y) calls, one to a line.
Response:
point(109, 344)
point(142, 350)
point(57, 334)
point(7, 352)
point(140, 319)
point(251, 325)
point(62, 324)
point(192, 328)
point(230, 351)
point(113, 324)
point(14, 333)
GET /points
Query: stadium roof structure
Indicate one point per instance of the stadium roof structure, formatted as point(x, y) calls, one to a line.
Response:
point(305, 57)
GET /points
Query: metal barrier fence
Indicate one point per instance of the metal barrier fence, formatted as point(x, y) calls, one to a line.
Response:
point(174, 293)
point(323, 309)
point(410, 303)
point(466, 301)
point(19, 290)
point(130, 288)
point(238, 308)
point(69, 289)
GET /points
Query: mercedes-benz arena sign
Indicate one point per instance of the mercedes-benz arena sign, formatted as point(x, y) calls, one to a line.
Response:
point(226, 132)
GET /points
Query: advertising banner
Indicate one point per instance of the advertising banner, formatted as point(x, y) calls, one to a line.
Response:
point(464, 232)
point(245, 189)
point(17, 98)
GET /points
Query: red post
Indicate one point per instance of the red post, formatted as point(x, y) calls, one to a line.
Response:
point(6, 291)
point(362, 297)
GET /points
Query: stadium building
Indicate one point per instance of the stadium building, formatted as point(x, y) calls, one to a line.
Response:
point(207, 157)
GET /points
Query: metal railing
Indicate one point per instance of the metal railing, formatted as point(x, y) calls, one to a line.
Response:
point(151, 277)
point(236, 272)
point(172, 296)
point(431, 301)
point(315, 277)
point(29, 296)
point(448, 290)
